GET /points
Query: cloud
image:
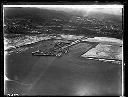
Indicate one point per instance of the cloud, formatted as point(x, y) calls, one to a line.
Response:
point(86, 9)
point(109, 9)
point(115, 11)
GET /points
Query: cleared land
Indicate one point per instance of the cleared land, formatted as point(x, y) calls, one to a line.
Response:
point(105, 51)
point(108, 50)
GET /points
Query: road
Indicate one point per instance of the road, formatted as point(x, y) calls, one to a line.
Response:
point(67, 75)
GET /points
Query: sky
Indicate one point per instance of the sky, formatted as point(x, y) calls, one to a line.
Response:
point(108, 9)
point(116, 10)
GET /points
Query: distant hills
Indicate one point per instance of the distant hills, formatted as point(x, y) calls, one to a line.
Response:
point(106, 17)
point(37, 20)
point(36, 14)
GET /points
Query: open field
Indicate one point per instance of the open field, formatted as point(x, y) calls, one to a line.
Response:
point(105, 51)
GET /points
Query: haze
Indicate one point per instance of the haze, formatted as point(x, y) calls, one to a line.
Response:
point(86, 10)
point(79, 9)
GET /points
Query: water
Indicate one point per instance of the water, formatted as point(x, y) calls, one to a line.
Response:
point(67, 75)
